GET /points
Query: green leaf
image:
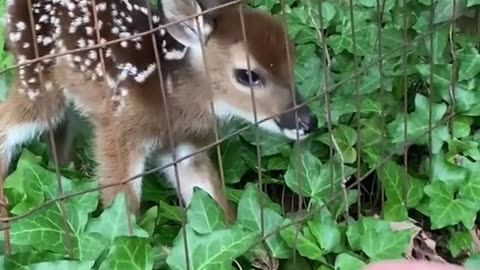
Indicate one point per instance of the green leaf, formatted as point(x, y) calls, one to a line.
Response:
point(343, 137)
point(311, 77)
point(379, 242)
point(470, 190)
point(418, 124)
point(469, 63)
point(44, 229)
point(473, 262)
point(440, 38)
point(446, 171)
point(346, 261)
point(205, 215)
point(149, 219)
point(128, 253)
point(460, 242)
point(473, 3)
point(18, 261)
point(271, 144)
point(327, 235)
point(445, 10)
point(231, 151)
point(401, 189)
point(170, 212)
point(357, 229)
point(216, 250)
point(307, 176)
point(461, 126)
point(62, 265)
point(249, 216)
point(89, 246)
point(303, 241)
point(446, 210)
point(114, 221)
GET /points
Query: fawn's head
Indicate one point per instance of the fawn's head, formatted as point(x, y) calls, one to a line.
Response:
point(242, 55)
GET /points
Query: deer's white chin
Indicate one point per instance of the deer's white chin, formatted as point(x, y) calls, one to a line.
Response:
point(292, 134)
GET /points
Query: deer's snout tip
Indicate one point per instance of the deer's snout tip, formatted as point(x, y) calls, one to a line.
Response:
point(298, 123)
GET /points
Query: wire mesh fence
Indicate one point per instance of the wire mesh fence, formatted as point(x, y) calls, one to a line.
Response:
point(385, 89)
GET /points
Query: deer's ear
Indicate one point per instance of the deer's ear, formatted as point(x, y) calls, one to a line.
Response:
point(187, 32)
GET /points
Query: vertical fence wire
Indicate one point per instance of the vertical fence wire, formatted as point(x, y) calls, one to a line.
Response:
point(297, 146)
point(171, 143)
point(431, 88)
point(257, 132)
point(405, 184)
point(358, 98)
point(380, 10)
point(65, 225)
point(453, 74)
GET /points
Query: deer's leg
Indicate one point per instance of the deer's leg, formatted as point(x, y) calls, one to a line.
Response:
point(22, 119)
point(119, 160)
point(195, 171)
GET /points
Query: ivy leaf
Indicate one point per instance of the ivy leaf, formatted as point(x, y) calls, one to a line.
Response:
point(62, 265)
point(461, 126)
point(170, 212)
point(20, 260)
point(306, 175)
point(473, 3)
point(311, 77)
point(470, 190)
point(418, 123)
point(249, 215)
point(445, 10)
point(271, 144)
point(89, 246)
point(205, 215)
point(444, 170)
point(345, 261)
point(473, 262)
point(41, 230)
point(401, 189)
point(463, 147)
point(37, 184)
point(440, 39)
point(128, 253)
point(357, 229)
point(148, 220)
point(216, 250)
point(460, 242)
point(446, 210)
point(113, 222)
point(379, 242)
point(385, 246)
point(303, 241)
point(327, 235)
point(344, 137)
point(231, 151)
point(469, 63)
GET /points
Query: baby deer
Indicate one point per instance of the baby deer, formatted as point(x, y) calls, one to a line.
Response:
point(133, 74)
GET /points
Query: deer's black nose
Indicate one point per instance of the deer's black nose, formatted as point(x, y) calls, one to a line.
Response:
point(302, 118)
point(306, 121)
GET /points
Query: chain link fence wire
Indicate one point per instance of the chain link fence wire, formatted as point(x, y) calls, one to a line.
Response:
point(323, 96)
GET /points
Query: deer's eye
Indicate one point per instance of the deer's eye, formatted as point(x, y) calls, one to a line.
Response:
point(243, 77)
